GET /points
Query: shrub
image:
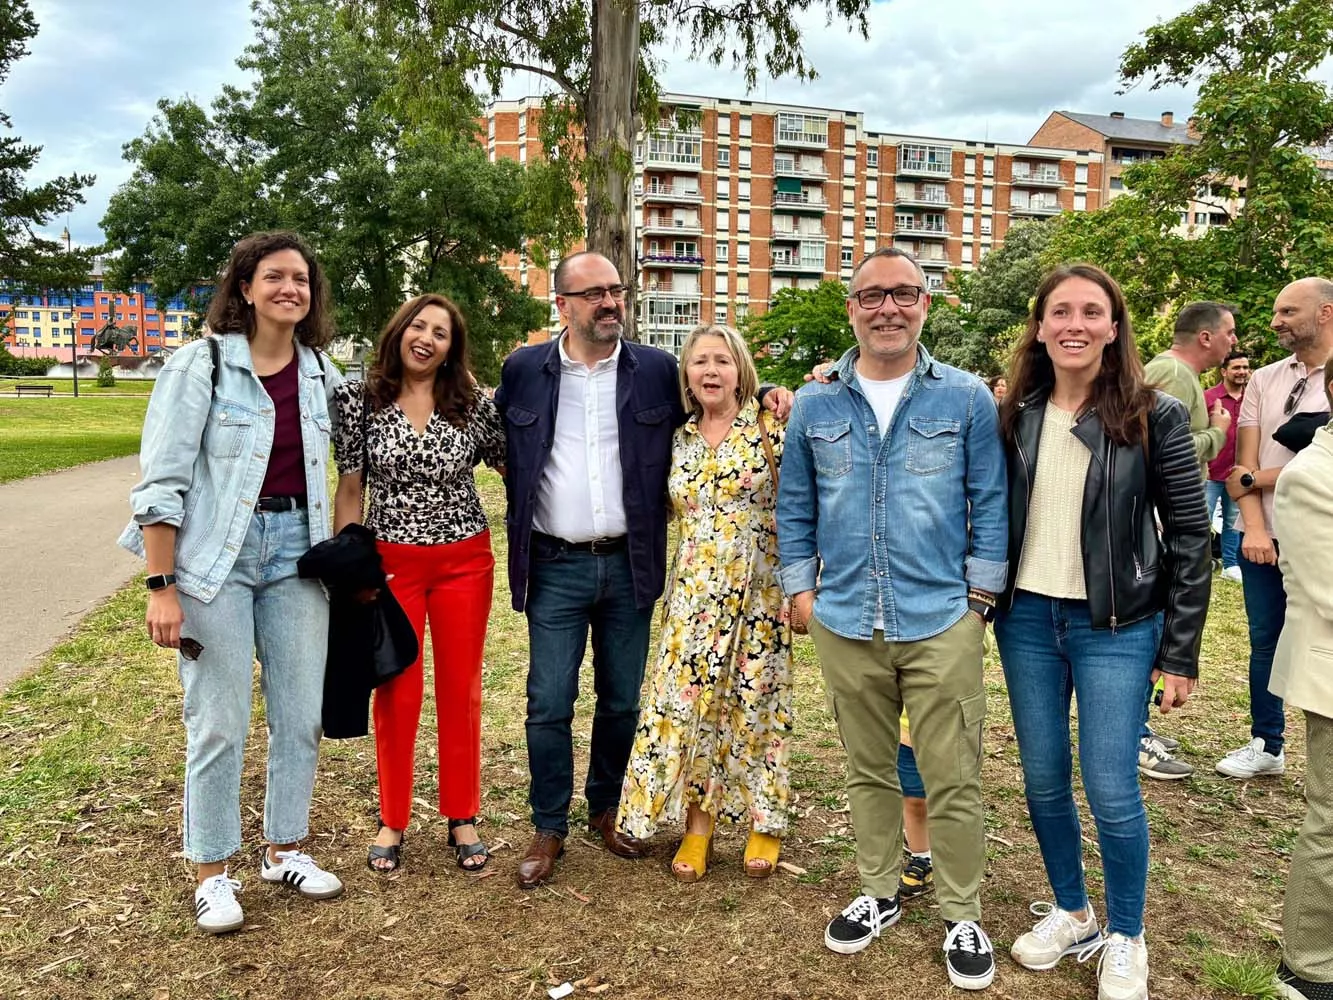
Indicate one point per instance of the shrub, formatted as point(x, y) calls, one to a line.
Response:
point(106, 378)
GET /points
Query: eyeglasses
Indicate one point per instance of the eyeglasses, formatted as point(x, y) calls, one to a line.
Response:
point(594, 295)
point(191, 648)
point(873, 298)
point(1294, 396)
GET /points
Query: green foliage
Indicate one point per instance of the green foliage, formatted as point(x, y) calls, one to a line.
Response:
point(318, 143)
point(1240, 975)
point(27, 257)
point(1260, 109)
point(801, 328)
point(24, 367)
point(106, 375)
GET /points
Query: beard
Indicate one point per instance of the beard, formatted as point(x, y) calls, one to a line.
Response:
point(1295, 338)
point(593, 333)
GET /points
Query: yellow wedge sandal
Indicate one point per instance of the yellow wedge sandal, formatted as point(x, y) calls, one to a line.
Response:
point(761, 847)
point(696, 853)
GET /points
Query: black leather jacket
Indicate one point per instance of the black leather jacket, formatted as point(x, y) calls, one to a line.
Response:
point(1131, 570)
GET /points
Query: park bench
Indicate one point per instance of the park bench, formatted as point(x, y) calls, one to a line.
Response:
point(29, 389)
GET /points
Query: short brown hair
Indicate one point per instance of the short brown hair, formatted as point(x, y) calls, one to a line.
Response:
point(455, 388)
point(228, 311)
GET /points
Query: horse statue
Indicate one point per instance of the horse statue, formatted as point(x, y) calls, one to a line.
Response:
point(113, 338)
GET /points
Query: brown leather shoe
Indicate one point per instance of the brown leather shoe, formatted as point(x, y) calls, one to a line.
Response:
point(620, 844)
point(538, 864)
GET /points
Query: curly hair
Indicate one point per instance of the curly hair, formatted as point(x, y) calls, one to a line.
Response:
point(1119, 393)
point(455, 388)
point(228, 311)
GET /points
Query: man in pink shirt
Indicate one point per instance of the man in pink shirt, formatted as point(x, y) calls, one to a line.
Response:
point(1229, 392)
point(1303, 322)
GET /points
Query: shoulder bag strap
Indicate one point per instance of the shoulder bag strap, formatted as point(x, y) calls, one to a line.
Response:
point(768, 451)
point(216, 354)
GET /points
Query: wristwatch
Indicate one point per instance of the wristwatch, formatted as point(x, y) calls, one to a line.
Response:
point(160, 581)
point(1247, 480)
point(986, 611)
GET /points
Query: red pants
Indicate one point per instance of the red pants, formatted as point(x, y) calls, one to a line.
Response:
point(452, 584)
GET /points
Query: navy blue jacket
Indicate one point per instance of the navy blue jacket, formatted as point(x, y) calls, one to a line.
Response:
point(648, 410)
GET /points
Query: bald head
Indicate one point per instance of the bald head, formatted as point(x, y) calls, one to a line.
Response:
point(581, 261)
point(1303, 318)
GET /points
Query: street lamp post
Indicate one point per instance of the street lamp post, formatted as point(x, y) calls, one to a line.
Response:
point(73, 328)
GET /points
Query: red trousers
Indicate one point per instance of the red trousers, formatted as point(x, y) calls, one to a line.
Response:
point(452, 585)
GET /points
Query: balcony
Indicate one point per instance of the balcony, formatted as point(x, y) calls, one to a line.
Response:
point(785, 166)
point(671, 193)
point(797, 262)
point(800, 201)
point(915, 227)
point(680, 262)
point(909, 195)
point(672, 227)
point(801, 138)
point(933, 261)
point(674, 149)
point(1040, 209)
point(929, 161)
point(664, 309)
point(1037, 178)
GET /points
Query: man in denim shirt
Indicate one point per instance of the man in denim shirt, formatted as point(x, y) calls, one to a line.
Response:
point(892, 535)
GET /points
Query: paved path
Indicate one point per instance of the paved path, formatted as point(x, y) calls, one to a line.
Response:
point(58, 555)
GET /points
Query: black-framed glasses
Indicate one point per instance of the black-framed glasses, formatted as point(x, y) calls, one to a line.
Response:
point(873, 298)
point(595, 294)
point(191, 649)
point(1294, 396)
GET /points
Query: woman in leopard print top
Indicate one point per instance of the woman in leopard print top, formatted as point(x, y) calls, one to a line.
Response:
point(419, 425)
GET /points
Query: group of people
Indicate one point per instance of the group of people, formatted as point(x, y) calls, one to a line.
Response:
point(896, 512)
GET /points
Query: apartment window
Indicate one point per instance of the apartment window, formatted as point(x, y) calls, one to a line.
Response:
point(743, 284)
point(849, 166)
point(848, 228)
point(742, 309)
point(724, 157)
point(723, 250)
point(869, 246)
point(720, 315)
point(1117, 184)
point(522, 123)
point(967, 253)
point(1081, 173)
point(745, 126)
point(743, 159)
point(723, 189)
point(985, 225)
point(742, 253)
point(987, 196)
point(722, 223)
point(846, 256)
point(988, 167)
point(522, 154)
point(490, 128)
point(968, 222)
point(742, 222)
point(870, 218)
point(743, 190)
point(969, 193)
point(1201, 218)
point(872, 188)
point(720, 280)
point(872, 156)
point(970, 166)
point(724, 126)
point(1080, 203)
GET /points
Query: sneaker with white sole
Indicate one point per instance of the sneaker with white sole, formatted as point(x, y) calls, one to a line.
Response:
point(215, 908)
point(968, 955)
point(1156, 761)
point(1055, 935)
point(1252, 761)
point(301, 873)
point(1122, 974)
point(864, 919)
point(1292, 987)
point(1232, 573)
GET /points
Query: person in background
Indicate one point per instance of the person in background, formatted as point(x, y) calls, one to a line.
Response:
point(998, 386)
point(1303, 677)
point(1228, 393)
point(1276, 394)
point(233, 491)
point(918, 875)
point(1102, 603)
point(422, 424)
point(713, 736)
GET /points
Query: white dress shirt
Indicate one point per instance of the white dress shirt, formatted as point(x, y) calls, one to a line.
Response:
point(581, 494)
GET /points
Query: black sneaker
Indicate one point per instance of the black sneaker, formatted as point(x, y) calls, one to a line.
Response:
point(855, 927)
point(968, 955)
point(1293, 987)
point(917, 878)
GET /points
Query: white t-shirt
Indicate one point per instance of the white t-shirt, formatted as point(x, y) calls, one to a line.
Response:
point(883, 398)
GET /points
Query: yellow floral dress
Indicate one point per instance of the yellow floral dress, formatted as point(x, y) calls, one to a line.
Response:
point(716, 724)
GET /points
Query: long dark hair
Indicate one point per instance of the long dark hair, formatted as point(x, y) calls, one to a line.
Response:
point(1119, 394)
point(228, 311)
point(455, 389)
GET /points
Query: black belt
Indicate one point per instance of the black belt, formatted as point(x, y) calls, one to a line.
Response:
point(598, 546)
point(269, 505)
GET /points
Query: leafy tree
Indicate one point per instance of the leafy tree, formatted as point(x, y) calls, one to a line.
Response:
point(319, 145)
point(27, 257)
point(598, 53)
point(1259, 111)
point(802, 327)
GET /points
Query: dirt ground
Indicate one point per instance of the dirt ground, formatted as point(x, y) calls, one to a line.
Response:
point(95, 899)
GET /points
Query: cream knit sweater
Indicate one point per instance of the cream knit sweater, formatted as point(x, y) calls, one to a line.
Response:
point(1052, 562)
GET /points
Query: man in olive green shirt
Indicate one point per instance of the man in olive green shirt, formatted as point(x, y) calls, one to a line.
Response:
point(1205, 334)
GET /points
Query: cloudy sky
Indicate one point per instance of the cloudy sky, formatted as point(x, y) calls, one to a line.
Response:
point(971, 69)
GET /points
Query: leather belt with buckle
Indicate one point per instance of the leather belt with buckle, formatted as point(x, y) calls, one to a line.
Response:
point(270, 505)
point(598, 546)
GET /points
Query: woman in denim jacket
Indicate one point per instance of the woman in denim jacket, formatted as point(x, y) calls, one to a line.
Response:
point(234, 489)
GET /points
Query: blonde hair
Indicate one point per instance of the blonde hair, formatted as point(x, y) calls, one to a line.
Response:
point(747, 379)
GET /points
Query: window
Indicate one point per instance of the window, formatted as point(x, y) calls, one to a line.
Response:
point(723, 250)
point(1081, 173)
point(968, 222)
point(720, 281)
point(522, 123)
point(870, 218)
point(967, 253)
point(849, 166)
point(848, 228)
point(872, 188)
point(985, 225)
point(970, 167)
point(1201, 218)
point(522, 154)
point(1117, 184)
point(723, 157)
point(742, 253)
point(745, 126)
point(969, 193)
point(490, 128)
point(743, 285)
point(722, 223)
point(988, 167)
point(987, 196)
point(724, 126)
point(1080, 203)
point(743, 190)
point(872, 156)
point(720, 315)
point(743, 159)
point(846, 256)
point(742, 308)
point(742, 222)
point(869, 246)
point(723, 189)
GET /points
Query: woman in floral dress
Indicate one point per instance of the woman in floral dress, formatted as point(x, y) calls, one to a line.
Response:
point(712, 741)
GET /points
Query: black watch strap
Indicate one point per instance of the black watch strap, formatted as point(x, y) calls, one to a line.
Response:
point(986, 611)
point(160, 581)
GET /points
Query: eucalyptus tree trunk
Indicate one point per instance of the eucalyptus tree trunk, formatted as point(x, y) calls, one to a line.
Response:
point(609, 141)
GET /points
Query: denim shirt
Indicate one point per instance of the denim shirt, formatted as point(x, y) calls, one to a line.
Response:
point(204, 454)
point(907, 520)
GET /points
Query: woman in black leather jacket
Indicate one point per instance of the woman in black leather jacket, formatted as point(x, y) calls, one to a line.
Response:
point(1109, 563)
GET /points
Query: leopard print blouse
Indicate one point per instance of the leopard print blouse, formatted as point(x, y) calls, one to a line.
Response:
point(422, 488)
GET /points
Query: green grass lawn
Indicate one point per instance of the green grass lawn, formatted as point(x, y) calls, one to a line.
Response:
point(87, 386)
point(41, 435)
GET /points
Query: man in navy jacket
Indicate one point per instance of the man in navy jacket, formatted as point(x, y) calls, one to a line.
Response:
point(589, 419)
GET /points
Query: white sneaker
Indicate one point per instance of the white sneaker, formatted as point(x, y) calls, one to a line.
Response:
point(1232, 573)
point(215, 908)
point(1056, 935)
point(1252, 761)
point(301, 873)
point(1122, 973)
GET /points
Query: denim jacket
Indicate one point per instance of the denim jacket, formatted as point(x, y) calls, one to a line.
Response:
point(204, 454)
point(906, 521)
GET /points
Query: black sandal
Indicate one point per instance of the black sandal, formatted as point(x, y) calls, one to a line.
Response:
point(464, 852)
point(390, 854)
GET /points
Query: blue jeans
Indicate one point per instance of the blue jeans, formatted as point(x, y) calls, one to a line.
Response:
point(1266, 609)
point(1051, 653)
point(1217, 493)
point(263, 610)
point(570, 594)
